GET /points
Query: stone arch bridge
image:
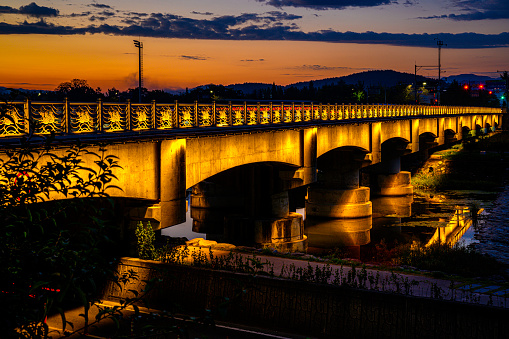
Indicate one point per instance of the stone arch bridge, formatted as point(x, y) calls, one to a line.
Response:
point(249, 158)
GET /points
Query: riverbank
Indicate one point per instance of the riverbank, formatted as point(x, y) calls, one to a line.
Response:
point(317, 299)
point(476, 164)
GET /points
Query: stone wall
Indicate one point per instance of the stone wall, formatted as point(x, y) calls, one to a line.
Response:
point(309, 309)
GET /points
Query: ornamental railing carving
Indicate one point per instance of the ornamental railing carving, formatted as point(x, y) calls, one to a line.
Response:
point(102, 117)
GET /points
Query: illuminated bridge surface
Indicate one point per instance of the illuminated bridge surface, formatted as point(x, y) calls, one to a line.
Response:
point(104, 120)
point(271, 148)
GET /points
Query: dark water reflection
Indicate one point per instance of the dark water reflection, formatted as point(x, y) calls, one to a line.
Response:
point(449, 217)
point(421, 218)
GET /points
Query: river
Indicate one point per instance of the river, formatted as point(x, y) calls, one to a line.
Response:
point(399, 220)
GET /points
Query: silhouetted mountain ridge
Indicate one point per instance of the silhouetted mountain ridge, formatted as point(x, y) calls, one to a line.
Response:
point(383, 78)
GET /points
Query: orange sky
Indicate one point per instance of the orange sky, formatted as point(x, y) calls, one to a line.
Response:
point(44, 61)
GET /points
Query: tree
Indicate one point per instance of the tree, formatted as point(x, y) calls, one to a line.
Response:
point(53, 253)
point(505, 76)
point(78, 90)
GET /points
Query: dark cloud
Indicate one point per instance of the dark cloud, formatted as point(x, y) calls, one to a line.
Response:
point(319, 67)
point(473, 10)
point(252, 60)
point(473, 16)
point(192, 57)
point(106, 13)
point(40, 27)
point(100, 6)
point(97, 18)
point(275, 16)
point(7, 9)
point(77, 15)
point(204, 13)
point(38, 11)
point(325, 4)
point(248, 26)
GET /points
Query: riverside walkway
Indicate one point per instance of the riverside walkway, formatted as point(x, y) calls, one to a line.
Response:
point(365, 276)
point(205, 254)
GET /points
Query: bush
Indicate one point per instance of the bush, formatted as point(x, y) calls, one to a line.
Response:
point(53, 253)
point(461, 260)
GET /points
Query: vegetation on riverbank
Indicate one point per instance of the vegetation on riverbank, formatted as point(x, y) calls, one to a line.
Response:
point(460, 260)
point(475, 164)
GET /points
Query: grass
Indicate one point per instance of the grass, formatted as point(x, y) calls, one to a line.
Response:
point(475, 164)
point(441, 182)
point(459, 260)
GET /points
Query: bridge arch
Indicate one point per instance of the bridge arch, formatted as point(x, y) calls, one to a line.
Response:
point(465, 132)
point(206, 157)
point(450, 136)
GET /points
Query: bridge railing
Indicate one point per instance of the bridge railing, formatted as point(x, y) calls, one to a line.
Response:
point(104, 117)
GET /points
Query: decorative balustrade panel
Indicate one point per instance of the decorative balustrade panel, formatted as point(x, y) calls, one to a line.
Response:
point(141, 117)
point(48, 118)
point(287, 113)
point(205, 116)
point(222, 115)
point(317, 112)
point(299, 114)
point(185, 113)
point(325, 113)
point(265, 114)
point(308, 113)
point(237, 112)
point(114, 117)
point(277, 115)
point(252, 115)
point(13, 123)
point(166, 116)
point(118, 117)
point(83, 118)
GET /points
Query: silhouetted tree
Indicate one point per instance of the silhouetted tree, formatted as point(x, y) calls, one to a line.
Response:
point(77, 90)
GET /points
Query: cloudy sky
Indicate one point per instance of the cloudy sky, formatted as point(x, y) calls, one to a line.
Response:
point(194, 42)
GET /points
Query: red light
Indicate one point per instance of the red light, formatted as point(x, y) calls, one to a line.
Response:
point(490, 92)
point(481, 86)
point(465, 87)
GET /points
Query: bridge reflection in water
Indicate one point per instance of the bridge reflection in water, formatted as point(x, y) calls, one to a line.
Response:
point(392, 221)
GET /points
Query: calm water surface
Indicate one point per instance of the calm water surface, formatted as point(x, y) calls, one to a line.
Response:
point(425, 217)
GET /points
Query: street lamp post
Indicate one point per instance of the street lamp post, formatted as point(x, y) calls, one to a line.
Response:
point(440, 43)
point(139, 45)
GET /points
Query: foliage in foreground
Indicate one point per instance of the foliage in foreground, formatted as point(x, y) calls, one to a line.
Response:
point(52, 252)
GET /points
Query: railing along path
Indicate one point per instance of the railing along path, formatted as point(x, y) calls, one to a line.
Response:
point(105, 117)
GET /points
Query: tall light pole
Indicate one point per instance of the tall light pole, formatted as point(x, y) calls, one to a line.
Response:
point(139, 45)
point(440, 43)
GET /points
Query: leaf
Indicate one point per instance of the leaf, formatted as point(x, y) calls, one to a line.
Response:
point(62, 316)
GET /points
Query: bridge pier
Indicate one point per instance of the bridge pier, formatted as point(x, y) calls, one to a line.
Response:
point(337, 193)
point(173, 182)
point(387, 179)
point(210, 202)
point(267, 221)
point(248, 206)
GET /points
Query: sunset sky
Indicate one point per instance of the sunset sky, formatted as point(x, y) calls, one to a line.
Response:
point(194, 42)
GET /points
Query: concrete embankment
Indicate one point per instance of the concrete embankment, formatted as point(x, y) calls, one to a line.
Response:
point(323, 310)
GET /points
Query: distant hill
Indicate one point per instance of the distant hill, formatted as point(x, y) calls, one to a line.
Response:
point(386, 78)
point(249, 87)
point(469, 78)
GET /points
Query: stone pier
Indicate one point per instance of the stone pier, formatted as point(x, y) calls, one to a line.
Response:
point(337, 193)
